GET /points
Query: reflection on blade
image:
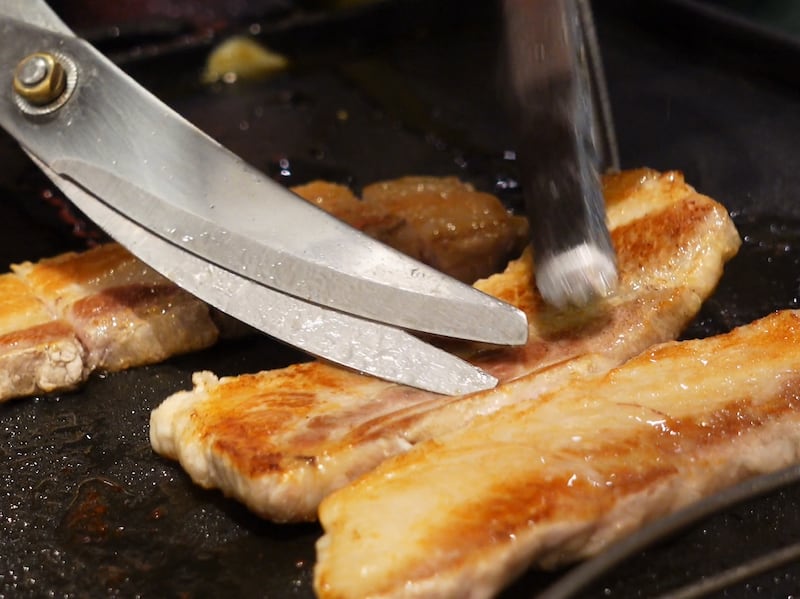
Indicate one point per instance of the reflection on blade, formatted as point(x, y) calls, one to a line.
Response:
point(369, 347)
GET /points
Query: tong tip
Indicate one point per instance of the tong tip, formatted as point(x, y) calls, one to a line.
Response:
point(576, 276)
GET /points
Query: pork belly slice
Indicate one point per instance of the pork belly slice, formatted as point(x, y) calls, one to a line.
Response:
point(440, 221)
point(280, 441)
point(38, 352)
point(125, 314)
point(372, 219)
point(556, 480)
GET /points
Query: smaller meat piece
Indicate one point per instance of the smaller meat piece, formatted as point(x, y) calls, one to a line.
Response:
point(124, 313)
point(372, 219)
point(465, 232)
point(440, 221)
point(39, 353)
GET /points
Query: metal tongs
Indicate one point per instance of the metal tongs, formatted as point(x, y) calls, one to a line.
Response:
point(224, 231)
point(562, 115)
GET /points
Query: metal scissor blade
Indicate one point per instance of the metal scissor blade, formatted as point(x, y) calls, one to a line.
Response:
point(35, 12)
point(128, 149)
point(374, 282)
point(365, 346)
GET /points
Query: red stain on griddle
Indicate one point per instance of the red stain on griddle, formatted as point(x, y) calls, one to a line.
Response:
point(81, 227)
point(87, 520)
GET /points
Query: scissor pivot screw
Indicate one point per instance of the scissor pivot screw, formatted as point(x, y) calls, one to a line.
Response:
point(40, 78)
point(43, 82)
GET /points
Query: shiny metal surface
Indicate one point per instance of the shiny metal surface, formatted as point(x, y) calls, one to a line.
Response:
point(35, 12)
point(115, 143)
point(551, 71)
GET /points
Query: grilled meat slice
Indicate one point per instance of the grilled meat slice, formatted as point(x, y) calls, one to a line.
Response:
point(555, 480)
point(38, 352)
point(280, 441)
point(125, 314)
point(471, 241)
point(440, 221)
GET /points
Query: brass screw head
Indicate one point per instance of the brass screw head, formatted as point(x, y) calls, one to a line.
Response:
point(40, 78)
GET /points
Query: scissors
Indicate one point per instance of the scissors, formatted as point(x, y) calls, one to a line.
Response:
point(224, 231)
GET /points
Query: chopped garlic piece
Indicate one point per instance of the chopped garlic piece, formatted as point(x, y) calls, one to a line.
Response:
point(242, 58)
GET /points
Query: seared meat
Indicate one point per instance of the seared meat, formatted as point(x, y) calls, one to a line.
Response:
point(38, 352)
point(438, 220)
point(63, 317)
point(280, 441)
point(124, 313)
point(557, 479)
point(373, 220)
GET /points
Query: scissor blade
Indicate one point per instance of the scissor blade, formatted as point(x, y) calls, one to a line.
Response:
point(368, 347)
point(128, 149)
point(376, 284)
point(35, 12)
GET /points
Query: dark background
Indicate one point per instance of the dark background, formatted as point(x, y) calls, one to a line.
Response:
point(376, 91)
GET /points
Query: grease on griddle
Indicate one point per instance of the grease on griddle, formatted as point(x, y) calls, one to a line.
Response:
point(291, 171)
point(762, 278)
